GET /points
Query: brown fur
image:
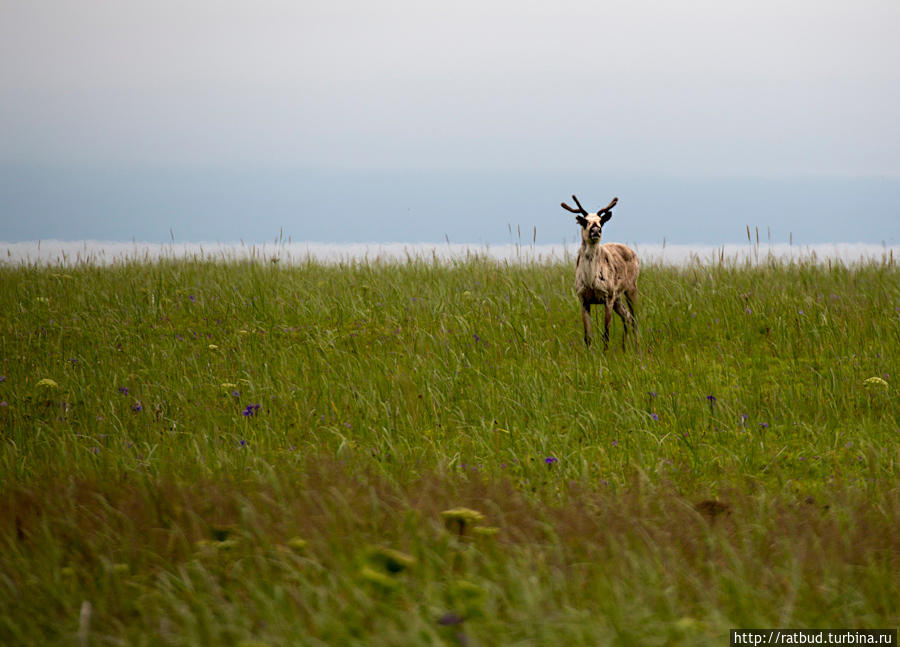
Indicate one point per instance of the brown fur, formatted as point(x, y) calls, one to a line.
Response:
point(603, 274)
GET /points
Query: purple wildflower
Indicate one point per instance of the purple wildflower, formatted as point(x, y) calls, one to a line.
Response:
point(711, 399)
point(550, 460)
point(136, 407)
point(450, 619)
point(615, 443)
point(123, 390)
point(250, 410)
point(2, 378)
point(764, 425)
point(654, 417)
point(243, 443)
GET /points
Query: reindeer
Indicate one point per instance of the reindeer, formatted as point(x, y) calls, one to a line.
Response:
point(603, 273)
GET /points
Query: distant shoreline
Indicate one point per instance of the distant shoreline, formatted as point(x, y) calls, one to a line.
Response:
point(56, 253)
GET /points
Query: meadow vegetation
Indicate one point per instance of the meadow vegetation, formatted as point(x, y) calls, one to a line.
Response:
point(424, 453)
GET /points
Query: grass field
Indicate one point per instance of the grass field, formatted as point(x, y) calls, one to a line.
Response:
point(203, 453)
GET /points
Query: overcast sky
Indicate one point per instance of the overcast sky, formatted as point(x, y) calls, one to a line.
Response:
point(271, 101)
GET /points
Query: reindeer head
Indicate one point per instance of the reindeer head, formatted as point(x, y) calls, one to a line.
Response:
point(591, 223)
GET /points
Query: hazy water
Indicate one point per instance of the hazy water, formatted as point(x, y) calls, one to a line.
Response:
point(253, 204)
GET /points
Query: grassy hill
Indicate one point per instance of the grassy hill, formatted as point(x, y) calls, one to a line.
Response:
point(197, 452)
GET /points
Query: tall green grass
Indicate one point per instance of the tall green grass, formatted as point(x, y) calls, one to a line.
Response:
point(209, 453)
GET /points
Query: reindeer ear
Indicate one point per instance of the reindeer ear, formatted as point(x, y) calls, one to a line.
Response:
point(581, 220)
point(605, 217)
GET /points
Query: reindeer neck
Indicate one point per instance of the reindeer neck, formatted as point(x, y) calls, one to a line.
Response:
point(589, 249)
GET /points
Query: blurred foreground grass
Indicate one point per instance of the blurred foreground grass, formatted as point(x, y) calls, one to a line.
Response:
point(210, 453)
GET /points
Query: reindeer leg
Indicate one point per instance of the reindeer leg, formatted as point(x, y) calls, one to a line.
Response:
point(586, 320)
point(631, 297)
point(626, 318)
point(607, 317)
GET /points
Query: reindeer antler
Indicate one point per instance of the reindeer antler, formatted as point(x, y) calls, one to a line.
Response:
point(580, 209)
point(607, 207)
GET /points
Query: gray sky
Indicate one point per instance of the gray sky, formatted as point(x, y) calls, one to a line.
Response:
point(636, 89)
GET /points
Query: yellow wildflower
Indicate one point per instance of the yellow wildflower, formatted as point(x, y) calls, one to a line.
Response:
point(466, 515)
point(393, 561)
point(458, 519)
point(378, 579)
point(297, 544)
point(875, 381)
